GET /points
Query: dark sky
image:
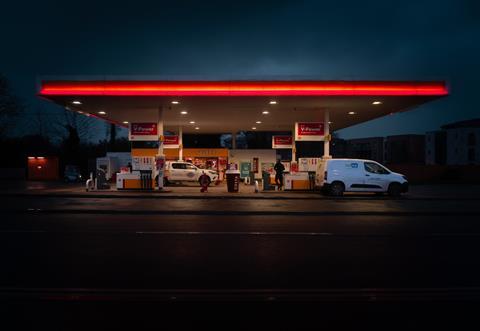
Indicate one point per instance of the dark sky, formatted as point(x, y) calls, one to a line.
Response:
point(358, 40)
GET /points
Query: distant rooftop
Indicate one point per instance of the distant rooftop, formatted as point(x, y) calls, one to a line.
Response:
point(473, 123)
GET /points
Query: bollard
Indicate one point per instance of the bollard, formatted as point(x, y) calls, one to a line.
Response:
point(89, 182)
point(256, 186)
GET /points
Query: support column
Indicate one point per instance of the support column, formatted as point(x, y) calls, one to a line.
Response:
point(234, 140)
point(180, 143)
point(294, 147)
point(160, 159)
point(326, 141)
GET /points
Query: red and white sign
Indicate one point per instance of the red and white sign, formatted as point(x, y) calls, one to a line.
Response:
point(282, 141)
point(311, 131)
point(143, 132)
point(171, 142)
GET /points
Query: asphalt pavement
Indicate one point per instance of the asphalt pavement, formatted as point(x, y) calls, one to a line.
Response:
point(328, 251)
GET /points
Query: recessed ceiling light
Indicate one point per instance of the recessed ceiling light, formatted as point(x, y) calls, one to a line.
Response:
point(351, 113)
point(330, 122)
point(192, 122)
point(76, 102)
point(125, 122)
point(254, 128)
point(265, 112)
point(197, 128)
point(102, 112)
point(376, 103)
point(184, 112)
point(258, 122)
point(273, 102)
point(175, 102)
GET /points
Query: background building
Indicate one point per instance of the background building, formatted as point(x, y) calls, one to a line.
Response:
point(408, 148)
point(462, 142)
point(436, 147)
point(366, 148)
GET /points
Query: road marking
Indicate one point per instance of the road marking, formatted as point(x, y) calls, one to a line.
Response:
point(242, 233)
point(23, 231)
point(455, 234)
point(251, 233)
point(448, 294)
point(240, 213)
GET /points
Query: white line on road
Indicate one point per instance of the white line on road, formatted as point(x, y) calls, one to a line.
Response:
point(455, 234)
point(23, 231)
point(237, 233)
point(249, 233)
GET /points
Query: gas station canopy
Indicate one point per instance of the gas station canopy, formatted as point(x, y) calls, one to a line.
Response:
point(231, 106)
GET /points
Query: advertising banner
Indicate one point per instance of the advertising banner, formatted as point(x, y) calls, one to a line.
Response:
point(143, 132)
point(309, 131)
point(282, 141)
point(171, 142)
point(309, 163)
point(245, 169)
point(268, 167)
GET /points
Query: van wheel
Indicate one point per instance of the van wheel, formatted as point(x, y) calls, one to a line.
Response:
point(394, 189)
point(337, 189)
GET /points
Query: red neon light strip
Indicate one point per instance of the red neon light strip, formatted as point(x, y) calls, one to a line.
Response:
point(113, 88)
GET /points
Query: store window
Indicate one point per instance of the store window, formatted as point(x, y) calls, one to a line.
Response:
point(144, 144)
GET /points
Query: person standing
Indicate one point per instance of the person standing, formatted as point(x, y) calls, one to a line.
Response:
point(279, 169)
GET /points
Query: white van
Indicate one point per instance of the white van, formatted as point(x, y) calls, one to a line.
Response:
point(180, 171)
point(336, 176)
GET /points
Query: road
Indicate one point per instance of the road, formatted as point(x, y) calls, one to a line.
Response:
point(165, 249)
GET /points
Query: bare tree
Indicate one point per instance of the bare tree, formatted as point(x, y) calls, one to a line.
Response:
point(10, 106)
point(82, 124)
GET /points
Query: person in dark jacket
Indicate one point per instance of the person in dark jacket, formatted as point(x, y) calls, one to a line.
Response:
point(279, 169)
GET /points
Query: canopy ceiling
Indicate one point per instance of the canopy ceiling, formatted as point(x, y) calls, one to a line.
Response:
point(230, 106)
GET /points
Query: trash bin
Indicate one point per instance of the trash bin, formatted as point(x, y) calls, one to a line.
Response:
point(266, 181)
point(101, 180)
point(252, 178)
point(233, 180)
point(311, 180)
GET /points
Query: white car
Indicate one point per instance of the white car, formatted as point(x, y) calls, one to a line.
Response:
point(180, 171)
point(336, 176)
